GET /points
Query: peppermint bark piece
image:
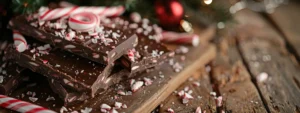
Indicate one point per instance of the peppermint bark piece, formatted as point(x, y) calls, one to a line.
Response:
point(72, 97)
point(10, 73)
point(103, 45)
point(149, 52)
point(75, 72)
point(67, 95)
point(10, 77)
point(37, 91)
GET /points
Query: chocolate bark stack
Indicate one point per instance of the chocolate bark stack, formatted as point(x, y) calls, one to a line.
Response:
point(79, 65)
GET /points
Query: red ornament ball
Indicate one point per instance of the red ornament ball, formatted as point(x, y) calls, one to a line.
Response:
point(169, 12)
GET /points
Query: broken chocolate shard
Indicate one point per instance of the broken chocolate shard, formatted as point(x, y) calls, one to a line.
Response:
point(67, 95)
point(10, 72)
point(148, 52)
point(72, 97)
point(70, 70)
point(10, 77)
point(37, 91)
point(104, 46)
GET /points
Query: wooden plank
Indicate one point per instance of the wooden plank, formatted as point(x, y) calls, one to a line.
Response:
point(252, 24)
point(286, 17)
point(149, 97)
point(205, 34)
point(234, 82)
point(201, 94)
point(280, 89)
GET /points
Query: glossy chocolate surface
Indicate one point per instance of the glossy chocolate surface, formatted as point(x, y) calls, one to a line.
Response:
point(75, 72)
point(149, 52)
point(104, 46)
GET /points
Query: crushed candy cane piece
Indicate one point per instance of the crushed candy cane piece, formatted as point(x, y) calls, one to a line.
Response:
point(86, 110)
point(187, 96)
point(219, 101)
point(170, 110)
point(262, 77)
point(147, 81)
point(118, 105)
point(213, 94)
point(180, 93)
point(198, 110)
point(120, 92)
point(136, 86)
point(132, 81)
point(113, 111)
point(33, 99)
point(124, 106)
point(105, 106)
point(196, 84)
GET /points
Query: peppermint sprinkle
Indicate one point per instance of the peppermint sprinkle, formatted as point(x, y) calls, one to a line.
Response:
point(63, 109)
point(177, 67)
point(115, 35)
point(33, 99)
point(86, 110)
point(170, 110)
point(198, 110)
point(1, 79)
point(147, 81)
point(219, 101)
point(262, 77)
point(137, 85)
point(182, 50)
point(105, 108)
point(132, 81)
point(57, 65)
point(213, 94)
point(196, 84)
point(124, 106)
point(180, 93)
point(49, 98)
point(120, 92)
point(118, 105)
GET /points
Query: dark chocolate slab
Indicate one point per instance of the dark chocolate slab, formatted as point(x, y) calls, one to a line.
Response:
point(36, 91)
point(10, 77)
point(165, 81)
point(72, 97)
point(67, 95)
point(149, 52)
point(9, 72)
point(107, 45)
point(75, 72)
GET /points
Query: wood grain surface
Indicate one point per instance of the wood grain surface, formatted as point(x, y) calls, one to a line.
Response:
point(264, 53)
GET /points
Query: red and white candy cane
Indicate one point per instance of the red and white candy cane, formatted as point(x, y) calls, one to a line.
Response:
point(84, 21)
point(21, 106)
point(46, 14)
point(180, 38)
point(19, 41)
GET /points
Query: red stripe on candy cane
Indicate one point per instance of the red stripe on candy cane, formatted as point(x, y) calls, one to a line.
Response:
point(83, 21)
point(21, 106)
point(104, 10)
point(74, 8)
point(36, 110)
point(180, 38)
point(19, 41)
point(68, 11)
point(45, 14)
point(7, 103)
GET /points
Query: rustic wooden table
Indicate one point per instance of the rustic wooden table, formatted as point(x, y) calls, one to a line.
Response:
point(256, 68)
point(250, 66)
